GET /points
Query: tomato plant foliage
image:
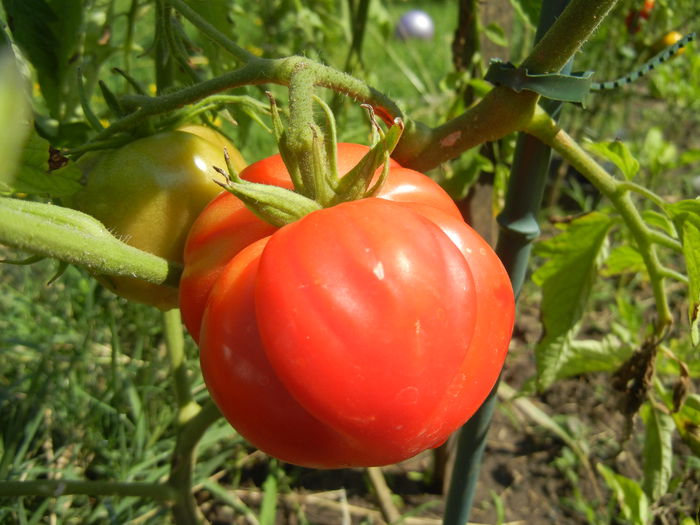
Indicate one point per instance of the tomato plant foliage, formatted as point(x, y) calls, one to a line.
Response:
point(366, 331)
point(360, 334)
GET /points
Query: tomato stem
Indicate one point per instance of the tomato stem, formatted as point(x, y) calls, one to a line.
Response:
point(240, 54)
point(175, 343)
point(77, 238)
point(163, 61)
point(302, 135)
point(185, 511)
point(618, 192)
point(499, 113)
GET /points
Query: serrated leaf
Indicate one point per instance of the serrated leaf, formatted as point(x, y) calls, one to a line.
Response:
point(566, 278)
point(619, 154)
point(658, 451)
point(686, 216)
point(624, 259)
point(588, 355)
point(660, 221)
point(33, 176)
point(634, 504)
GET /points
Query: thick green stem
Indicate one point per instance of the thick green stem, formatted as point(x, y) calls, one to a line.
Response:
point(502, 111)
point(242, 55)
point(618, 192)
point(298, 139)
point(129, 37)
point(567, 34)
point(52, 488)
point(175, 342)
point(185, 511)
point(499, 113)
point(163, 57)
point(77, 238)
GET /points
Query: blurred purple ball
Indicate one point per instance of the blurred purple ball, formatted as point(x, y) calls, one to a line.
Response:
point(415, 24)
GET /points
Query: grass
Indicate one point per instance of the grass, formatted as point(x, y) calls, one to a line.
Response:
point(85, 389)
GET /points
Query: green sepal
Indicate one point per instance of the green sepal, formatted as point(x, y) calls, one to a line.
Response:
point(330, 144)
point(138, 88)
point(325, 177)
point(288, 157)
point(275, 205)
point(85, 104)
point(23, 262)
point(60, 270)
point(356, 183)
point(111, 100)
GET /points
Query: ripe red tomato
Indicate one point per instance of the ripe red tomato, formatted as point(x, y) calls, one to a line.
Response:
point(634, 16)
point(226, 226)
point(645, 11)
point(359, 335)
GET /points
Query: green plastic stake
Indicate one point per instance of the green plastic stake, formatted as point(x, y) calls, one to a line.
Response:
point(518, 228)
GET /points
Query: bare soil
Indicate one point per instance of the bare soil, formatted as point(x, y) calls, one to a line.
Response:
point(528, 475)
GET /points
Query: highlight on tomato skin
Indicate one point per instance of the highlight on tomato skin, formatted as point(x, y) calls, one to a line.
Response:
point(149, 192)
point(226, 225)
point(359, 335)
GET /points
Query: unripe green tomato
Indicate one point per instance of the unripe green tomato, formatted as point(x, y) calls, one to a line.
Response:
point(149, 192)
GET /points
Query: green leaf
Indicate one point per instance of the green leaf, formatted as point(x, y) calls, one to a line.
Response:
point(634, 505)
point(588, 355)
point(14, 118)
point(687, 421)
point(566, 278)
point(619, 154)
point(34, 177)
point(658, 451)
point(495, 34)
point(690, 156)
point(48, 31)
point(457, 177)
point(528, 10)
point(686, 216)
point(660, 221)
point(624, 259)
point(657, 154)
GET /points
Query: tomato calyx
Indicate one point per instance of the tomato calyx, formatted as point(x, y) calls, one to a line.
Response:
point(275, 205)
point(314, 173)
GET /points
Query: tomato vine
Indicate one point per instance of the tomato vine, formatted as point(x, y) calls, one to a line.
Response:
point(52, 231)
